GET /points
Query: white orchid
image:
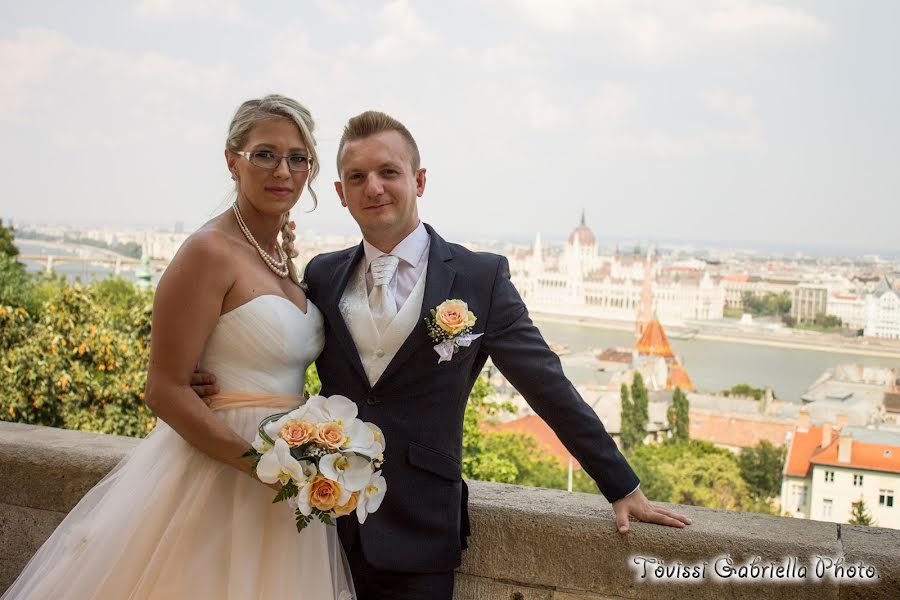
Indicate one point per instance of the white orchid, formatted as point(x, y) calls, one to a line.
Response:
point(361, 439)
point(351, 471)
point(261, 445)
point(371, 496)
point(337, 408)
point(278, 465)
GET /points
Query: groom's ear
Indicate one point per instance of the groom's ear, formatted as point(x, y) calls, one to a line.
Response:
point(339, 188)
point(420, 182)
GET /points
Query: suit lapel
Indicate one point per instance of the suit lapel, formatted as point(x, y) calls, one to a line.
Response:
point(335, 319)
point(438, 281)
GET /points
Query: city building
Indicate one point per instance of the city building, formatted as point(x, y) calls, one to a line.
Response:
point(883, 312)
point(828, 468)
point(579, 281)
point(807, 301)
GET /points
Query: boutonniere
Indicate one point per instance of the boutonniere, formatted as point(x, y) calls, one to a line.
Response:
point(450, 325)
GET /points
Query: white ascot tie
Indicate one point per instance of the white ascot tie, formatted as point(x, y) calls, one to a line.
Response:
point(381, 300)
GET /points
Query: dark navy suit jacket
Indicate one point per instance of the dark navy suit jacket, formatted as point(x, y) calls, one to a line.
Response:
point(422, 524)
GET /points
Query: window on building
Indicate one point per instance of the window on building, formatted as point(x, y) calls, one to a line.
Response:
point(829, 476)
point(857, 480)
point(886, 498)
point(826, 507)
point(799, 496)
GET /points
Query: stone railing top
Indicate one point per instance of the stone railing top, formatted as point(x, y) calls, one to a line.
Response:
point(530, 543)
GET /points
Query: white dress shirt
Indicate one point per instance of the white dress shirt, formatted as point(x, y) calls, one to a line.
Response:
point(413, 254)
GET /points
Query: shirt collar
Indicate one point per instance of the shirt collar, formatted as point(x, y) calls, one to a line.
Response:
point(410, 250)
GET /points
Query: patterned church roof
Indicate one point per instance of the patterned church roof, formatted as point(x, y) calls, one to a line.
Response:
point(654, 342)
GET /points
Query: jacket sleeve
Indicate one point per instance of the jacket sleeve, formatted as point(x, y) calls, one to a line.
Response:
point(517, 348)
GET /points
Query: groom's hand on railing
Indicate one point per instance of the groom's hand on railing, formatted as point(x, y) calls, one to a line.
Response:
point(204, 385)
point(637, 506)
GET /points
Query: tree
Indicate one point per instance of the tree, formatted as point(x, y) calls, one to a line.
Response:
point(692, 472)
point(77, 358)
point(7, 246)
point(742, 389)
point(859, 515)
point(761, 467)
point(626, 428)
point(678, 414)
point(506, 457)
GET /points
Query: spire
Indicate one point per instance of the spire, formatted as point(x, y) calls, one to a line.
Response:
point(583, 223)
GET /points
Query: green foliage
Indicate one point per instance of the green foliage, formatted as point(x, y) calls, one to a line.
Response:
point(635, 414)
point(313, 384)
point(761, 467)
point(742, 389)
point(692, 472)
point(506, 457)
point(769, 304)
point(7, 247)
point(75, 356)
point(859, 515)
point(679, 418)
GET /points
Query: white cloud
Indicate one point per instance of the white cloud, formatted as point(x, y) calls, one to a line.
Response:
point(25, 62)
point(730, 104)
point(656, 32)
point(745, 17)
point(612, 102)
point(545, 115)
point(218, 10)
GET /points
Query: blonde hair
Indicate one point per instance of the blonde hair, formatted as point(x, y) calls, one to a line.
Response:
point(274, 106)
point(368, 124)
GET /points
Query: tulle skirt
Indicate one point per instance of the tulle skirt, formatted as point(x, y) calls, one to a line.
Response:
point(170, 523)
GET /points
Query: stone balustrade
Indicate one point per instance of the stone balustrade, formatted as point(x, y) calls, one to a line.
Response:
point(527, 543)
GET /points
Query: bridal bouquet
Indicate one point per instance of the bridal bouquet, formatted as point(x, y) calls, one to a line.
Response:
point(327, 460)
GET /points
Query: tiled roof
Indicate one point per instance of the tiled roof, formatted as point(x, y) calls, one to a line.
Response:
point(536, 427)
point(740, 432)
point(678, 377)
point(803, 445)
point(863, 455)
point(806, 451)
point(654, 341)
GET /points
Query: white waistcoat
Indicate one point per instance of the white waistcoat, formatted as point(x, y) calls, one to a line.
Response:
point(377, 350)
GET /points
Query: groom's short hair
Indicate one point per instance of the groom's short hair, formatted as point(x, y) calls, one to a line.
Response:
point(371, 122)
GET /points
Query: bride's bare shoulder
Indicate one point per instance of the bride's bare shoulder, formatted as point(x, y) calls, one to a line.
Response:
point(205, 256)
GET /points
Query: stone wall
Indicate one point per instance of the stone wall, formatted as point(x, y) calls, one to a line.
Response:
point(527, 543)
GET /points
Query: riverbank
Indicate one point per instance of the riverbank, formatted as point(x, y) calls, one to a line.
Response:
point(820, 342)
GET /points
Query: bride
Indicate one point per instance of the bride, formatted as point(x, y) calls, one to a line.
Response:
point(183, 516)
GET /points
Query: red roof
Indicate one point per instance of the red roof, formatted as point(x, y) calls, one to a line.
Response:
point(875, 457)
point(806, 451)
point(678, 377)
point(801, 450)
point(537, 428)
point(654, 341)
point(740, 432)
point(742, 277)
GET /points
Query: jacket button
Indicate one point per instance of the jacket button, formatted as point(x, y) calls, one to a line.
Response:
point(372, 400)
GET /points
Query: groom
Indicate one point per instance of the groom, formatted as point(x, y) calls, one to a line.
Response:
point(375, 298)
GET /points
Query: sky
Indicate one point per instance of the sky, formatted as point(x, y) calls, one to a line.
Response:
point(736, 121)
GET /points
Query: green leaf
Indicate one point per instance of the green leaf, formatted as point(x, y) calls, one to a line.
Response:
point(288, 490)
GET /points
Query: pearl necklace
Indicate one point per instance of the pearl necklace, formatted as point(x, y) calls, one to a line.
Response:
point(279, 267)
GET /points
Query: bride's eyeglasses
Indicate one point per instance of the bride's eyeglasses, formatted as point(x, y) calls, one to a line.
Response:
point(269, 160)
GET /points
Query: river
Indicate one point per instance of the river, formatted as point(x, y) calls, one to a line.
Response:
point(712, 365)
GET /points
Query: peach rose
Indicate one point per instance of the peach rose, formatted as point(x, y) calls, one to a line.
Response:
point(453, 316)
point(324, 493)
point(345, 509)
point(297, 432)
point(331, 434)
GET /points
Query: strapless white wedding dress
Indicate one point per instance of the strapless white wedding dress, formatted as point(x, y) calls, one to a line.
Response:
point(170, 523)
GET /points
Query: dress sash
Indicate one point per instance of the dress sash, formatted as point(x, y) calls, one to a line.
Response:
point(229, 400)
